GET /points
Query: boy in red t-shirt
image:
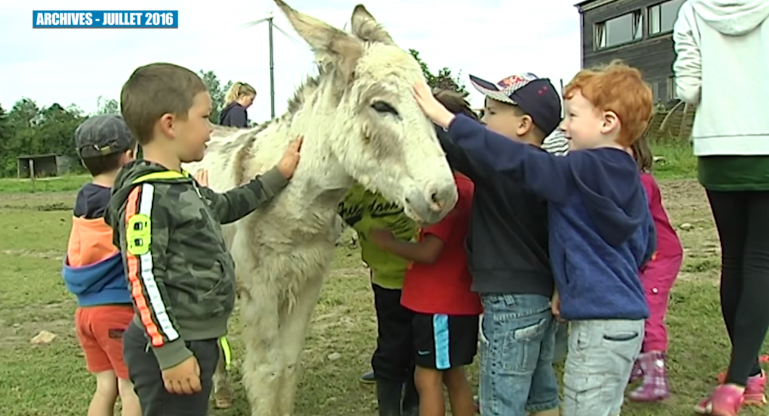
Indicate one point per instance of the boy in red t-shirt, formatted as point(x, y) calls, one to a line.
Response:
point(437, 289)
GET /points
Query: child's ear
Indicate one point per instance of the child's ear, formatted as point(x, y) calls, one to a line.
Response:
point(525, 126)
point(610, 122)
point(128, 156)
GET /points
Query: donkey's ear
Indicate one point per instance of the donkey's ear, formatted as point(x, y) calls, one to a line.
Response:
point(329, 43)
point(367, 29)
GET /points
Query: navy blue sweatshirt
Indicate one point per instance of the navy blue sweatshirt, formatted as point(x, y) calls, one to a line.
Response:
point(234, 115)
point(507, 240)
point(601, 231)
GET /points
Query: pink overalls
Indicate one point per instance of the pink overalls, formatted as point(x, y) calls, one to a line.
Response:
point(659, 275)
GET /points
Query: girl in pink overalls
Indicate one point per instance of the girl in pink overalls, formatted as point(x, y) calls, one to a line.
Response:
point(657, 278)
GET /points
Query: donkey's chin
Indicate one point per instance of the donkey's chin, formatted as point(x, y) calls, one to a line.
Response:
point(423, 216)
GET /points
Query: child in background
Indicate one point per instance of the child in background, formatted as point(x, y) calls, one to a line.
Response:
point(601, 231)
point(392, 361)
point(93, 269)
point(657, 278)
point(437, 289)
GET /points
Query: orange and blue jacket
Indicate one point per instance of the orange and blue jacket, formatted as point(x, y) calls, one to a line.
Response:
point(93, 268)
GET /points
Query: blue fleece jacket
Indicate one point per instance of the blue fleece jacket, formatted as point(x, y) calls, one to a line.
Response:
point(601, 231)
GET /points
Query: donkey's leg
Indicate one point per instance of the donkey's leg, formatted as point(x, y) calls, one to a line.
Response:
point(263, 363)
point(222, 393)
point(293, 329)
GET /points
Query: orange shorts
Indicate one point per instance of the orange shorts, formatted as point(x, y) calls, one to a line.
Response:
point(100, 331)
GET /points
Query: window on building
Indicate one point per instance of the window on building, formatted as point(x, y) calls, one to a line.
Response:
point(672, 93)
point(663, 16)
point(619, 30)
point(655, 86)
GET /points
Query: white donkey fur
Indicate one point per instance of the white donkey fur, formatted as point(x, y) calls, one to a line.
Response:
point(361, 123)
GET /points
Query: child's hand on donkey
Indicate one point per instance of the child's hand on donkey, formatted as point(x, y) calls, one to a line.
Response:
point(290, 160)
point(184, 378)
point(202, 177)
point(432, 108)
point(286, 166)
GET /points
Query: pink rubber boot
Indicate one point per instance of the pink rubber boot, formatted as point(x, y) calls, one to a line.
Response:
point(655, 379)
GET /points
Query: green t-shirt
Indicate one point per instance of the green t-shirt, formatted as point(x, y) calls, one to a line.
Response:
point(364, 210)
point(734, 173)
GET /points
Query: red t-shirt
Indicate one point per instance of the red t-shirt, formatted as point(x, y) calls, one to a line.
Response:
point(444, 286)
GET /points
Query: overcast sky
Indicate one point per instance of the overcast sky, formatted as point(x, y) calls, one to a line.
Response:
point(488, 38)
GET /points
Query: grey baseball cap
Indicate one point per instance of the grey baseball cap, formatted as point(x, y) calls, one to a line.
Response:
point(103, 135)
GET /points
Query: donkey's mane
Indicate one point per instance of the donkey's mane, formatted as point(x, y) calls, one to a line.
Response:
point(305, 90)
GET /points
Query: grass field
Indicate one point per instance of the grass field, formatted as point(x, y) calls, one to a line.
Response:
point(50, 379)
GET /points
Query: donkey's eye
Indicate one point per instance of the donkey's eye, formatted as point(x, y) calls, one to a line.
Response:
point(383, 107)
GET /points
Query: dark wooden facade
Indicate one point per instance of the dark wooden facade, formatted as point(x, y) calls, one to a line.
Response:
point(647, 45)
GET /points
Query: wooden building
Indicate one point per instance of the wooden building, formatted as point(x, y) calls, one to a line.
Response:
point(42, 165)
point(639, 32)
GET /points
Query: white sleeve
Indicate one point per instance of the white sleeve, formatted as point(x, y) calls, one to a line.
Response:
point(688, 64)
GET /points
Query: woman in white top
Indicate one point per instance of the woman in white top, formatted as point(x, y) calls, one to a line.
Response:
point(722, 67)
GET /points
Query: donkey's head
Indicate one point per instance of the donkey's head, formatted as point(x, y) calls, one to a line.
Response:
point(378, 133)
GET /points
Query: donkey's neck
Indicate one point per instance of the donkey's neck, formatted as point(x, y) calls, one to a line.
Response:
point(320, 180)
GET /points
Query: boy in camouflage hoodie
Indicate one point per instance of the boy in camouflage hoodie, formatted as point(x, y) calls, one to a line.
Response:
point(167, 226)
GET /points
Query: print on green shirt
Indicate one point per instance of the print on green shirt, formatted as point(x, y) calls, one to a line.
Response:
point(364, 210)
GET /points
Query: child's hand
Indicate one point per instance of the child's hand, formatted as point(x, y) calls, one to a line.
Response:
point(202, 177)
point(184, 378)
point(290, 160)
point(433, 109)
point(555, 307)
point(380, 236)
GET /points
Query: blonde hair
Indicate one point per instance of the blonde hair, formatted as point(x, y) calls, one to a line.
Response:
point(237, 90)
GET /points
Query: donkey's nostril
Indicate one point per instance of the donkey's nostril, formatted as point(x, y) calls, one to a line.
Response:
point(435, 201)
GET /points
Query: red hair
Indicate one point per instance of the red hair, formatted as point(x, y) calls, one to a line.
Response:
point(618, 88)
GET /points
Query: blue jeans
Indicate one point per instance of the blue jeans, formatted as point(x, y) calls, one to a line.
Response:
point(517, 347)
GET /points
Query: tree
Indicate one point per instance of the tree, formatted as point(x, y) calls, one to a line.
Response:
point(107, 106)
point(217, 91)
point(28, 129)
point(5, 137)
point(56, 131)
point(444, 79)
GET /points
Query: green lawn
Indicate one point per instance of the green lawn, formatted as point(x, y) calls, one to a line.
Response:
point(43, 185)
point(51, 379)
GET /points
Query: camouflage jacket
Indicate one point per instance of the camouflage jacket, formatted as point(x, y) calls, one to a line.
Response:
point(180, 274)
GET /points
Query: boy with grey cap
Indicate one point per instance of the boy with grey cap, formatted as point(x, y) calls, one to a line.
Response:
point(93, 268)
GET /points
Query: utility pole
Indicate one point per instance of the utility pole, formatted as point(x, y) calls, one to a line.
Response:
point(272, 69)
point(270, 24)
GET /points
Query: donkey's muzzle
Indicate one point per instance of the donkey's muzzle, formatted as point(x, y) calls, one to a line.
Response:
point(431, 205)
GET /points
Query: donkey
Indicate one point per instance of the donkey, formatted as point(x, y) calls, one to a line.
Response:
point(360, 123)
